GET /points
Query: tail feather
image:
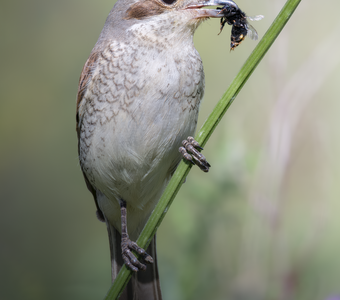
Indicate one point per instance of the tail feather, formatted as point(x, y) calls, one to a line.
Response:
point(144, 285)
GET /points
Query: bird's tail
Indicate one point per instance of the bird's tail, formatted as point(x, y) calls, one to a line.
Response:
point(144, 285)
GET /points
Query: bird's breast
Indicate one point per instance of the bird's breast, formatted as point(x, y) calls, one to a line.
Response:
point(139, 105)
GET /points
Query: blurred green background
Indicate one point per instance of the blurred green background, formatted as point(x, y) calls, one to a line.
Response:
point(262, 224)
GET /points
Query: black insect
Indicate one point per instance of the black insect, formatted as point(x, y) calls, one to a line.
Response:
point(234, 16)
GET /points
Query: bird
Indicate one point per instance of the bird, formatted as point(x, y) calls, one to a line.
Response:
point(137, 106)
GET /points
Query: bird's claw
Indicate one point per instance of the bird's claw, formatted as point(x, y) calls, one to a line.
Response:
point(196, 157)
point(130, 259)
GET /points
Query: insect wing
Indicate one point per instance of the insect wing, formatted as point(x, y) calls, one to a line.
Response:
point(252, 33)
point(255, 18)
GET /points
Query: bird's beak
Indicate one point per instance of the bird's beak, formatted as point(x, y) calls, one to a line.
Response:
point(211, 13)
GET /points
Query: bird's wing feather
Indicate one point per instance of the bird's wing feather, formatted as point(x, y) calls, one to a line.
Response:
point(84, 79)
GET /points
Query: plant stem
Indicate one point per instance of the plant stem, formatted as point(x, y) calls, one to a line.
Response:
point(202, 137)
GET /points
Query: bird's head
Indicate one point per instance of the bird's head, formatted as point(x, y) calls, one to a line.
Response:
point(163, 17)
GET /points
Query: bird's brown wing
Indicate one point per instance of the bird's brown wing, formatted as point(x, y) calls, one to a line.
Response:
point(84, 79)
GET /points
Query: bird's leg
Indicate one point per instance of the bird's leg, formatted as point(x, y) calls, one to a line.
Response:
point(127, 245)
point(196, 157)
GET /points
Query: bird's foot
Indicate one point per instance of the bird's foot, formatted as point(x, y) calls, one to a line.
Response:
point(130, 259)
point(196, 157)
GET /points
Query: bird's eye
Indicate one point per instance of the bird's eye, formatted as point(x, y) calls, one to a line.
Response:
point(169, 2)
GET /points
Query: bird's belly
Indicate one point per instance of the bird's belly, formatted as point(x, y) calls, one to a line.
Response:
point(132, 156)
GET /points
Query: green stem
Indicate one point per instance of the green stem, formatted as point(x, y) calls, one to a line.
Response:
point(202, 137)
